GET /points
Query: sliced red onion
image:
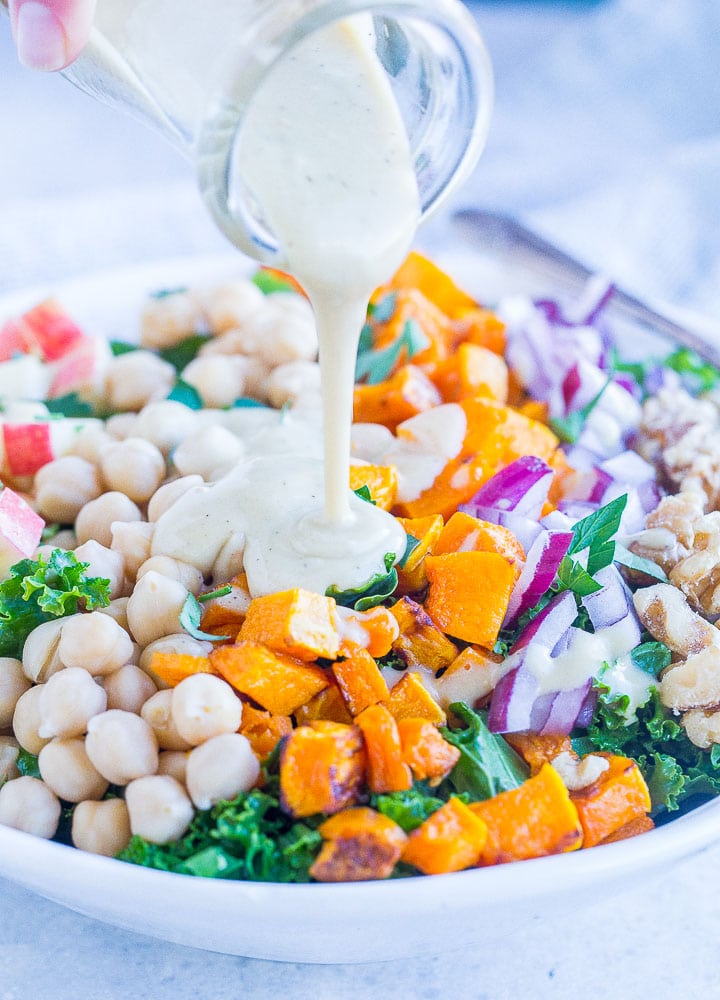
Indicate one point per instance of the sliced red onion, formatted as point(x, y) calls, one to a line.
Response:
point(557, 521)
point(576, 510)
point(540, 711)
point(564, 711)
point(549, 626)
point(588, 485)
point(597, 293)
point(542, 562)
point(587, 709)
point(610, 605)
point(524, 528)
point(571, 385)
point(522, 486)
point(629, 467)
point(512, 702)
point(581, 458)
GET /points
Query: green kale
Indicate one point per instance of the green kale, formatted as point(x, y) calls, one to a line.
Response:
point(27, 764)
point(181, 354)
point(247, 838)
point(488, 764)
point(409, 809)
point(38, 590)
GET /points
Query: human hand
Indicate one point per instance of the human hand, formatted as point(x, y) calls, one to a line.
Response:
point(50, 34)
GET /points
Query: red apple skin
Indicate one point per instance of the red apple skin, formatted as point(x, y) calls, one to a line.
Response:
point(49, 331)
point(27, 448)
point(20, 530)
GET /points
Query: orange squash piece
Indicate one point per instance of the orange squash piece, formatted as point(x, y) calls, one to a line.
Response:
point(482, 327)
point(297, 622)
point(643, 824)
point(429, 756)
point(374, 630)
point(224, 615)
point(536, 749)
point(405, 394)
point(328, 705)
point(386, 769)
point(278, 683)
point(465, 533)
point(452, 839)
point(531, 821)
point(263, 730)
point(468, 594)
point(322, 766)
point(420, 644)
point(360, 844)
point(426, 530)
point(411, 305)
point(618, 797)
point(171, 668)
point(381, 480)
point(437, 286)
point(471, 676)
point(360, 681)
point(409, 698)
point(472, 371)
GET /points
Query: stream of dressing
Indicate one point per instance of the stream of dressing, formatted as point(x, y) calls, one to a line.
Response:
point(325, 154)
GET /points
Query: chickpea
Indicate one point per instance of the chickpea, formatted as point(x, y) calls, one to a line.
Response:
point(94, 642)
point(157, 712)
point(208, 452)
point(117, 610)
point(219, 380)
point(292, 380)
point(168, 319)
point(133, 540)
point(172, 762)
point(28, 804)
point(105, 563)
point(68, 702)
point(13, 683)
point(26, 720)
point(179, 642)
point(204, 706)
point(154, 607)
point(101, 827)
point(64, 539)
point(128, 688)
point(66, 769)
point(221, 768)
point(64, 486)
point(9, 750)
point(169, 493)
point(133, 466)
point(256, 376)
point(137, 378)
point(286, 330)
point(165, 423)
point(121, 425)
point(95, 519)
point(159, 808)
point(189, 576)
point(89, 442)
point(122, 746)
point(40, 657)
point(229, 305)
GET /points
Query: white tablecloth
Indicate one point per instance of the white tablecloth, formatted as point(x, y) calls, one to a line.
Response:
point(607, 137)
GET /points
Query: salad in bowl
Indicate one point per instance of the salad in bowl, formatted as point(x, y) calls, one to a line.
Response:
point(537, 673)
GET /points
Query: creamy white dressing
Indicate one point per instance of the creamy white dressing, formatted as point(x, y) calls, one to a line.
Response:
point(325, 154)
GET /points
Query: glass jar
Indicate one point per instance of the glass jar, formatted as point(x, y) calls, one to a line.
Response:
point(191, 69)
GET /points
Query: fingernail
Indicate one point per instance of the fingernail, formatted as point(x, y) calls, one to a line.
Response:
point(39, 37)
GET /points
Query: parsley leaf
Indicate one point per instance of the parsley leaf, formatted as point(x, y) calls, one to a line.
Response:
point(700, 373)
point(410, 546)
point(191, 615)
point(377, 589)
point(164, 293)
point(27, 764)
point(488, 764)
point(384, 309)
point(181, 354)
point(70, 405)
point(595, 533)
point(570, 427)
point(183, 392)
point(652, 657)
point(270, 281)
point(627, 558)
point(375, 366)
point(119, 347)
point(38, 590)
point(572, 576)
point(363, 492)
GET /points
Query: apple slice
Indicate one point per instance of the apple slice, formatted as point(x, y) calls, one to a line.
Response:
point(20, 530)
point(12, 340)
point(83, 371)
point(49, 331)
point(24, 377)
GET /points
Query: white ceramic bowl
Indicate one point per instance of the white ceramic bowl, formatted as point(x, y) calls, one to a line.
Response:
point(361, 922)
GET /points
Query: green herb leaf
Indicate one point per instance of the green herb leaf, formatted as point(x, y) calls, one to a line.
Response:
point(181, 354)
point(383, 310)
point(410, 546)
point(38, 590)
point(572, 576)
point(220, 592)
point(27, 764)
point(186, 394)
point(570, 427)
point(488, 764)
point(190, 617)
point(164, 293)
point(269, 282)
point(595, 533)
point(377, 589)
point(119, 347)
point(70, 405)
point(627, 558)
point(701, 374)
point(375, 366)
point(247, 403)
point(408, 809)
point(364, 493)
point(652, 657)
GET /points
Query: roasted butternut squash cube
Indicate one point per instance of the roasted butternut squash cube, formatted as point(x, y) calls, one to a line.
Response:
point(420, 642)
point(426, 530)
point(297, 622)
point(374, 630)
point(322, 767)
point(483, 327)
point(278, 683)
point(465, 533)
point(472, 371)
point(327, 704)
point(171, 668)
point(386, 769)
point(451, 839)
point(434, 284)
point(381, 481)
point(410, 699)
point(263, 729)
point(360, 844)
point(469, 593)
point(360, 681)
point(619, 796)
point(428, 755)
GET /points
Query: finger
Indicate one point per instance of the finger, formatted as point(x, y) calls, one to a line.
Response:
point(49, 34)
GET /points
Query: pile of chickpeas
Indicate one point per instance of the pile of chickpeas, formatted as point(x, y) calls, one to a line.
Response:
point(129, 754)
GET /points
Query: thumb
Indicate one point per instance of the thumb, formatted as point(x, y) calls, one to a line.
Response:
point(50, 34)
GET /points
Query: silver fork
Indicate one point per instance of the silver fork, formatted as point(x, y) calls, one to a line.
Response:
point(506, 238)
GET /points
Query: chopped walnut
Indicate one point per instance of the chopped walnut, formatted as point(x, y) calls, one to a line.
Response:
point(576, 773)
point(667, 418)
point(686, 543)
point(693, 682)
point(702, 728)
